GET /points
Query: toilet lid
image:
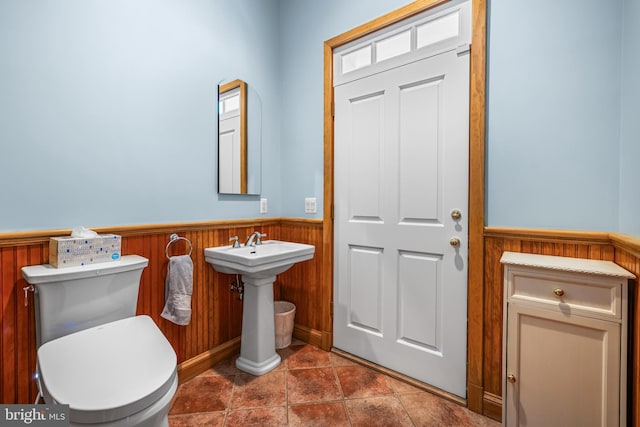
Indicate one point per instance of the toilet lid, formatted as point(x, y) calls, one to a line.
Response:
point(110, 371)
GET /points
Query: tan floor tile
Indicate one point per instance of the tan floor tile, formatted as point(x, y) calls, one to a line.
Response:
point(203, 394)
point(207, 419)
point(358, 381)
point(330, 414)
point(254, 392)
point(312, 385)
point(377, 411)
point(427, 409)
point(274, 416)
point(337, 360)
point(308, 356)
point(320, 388)
point(226, 367)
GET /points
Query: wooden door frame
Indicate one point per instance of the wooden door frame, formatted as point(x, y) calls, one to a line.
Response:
point(477, 94)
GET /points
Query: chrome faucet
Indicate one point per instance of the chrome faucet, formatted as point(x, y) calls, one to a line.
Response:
point(254, 239)
point(234, 239)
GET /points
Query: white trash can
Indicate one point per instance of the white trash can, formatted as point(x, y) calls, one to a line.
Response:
point(284, 314)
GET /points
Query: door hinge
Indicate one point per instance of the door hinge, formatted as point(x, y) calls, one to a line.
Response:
point(333, 211)
point(333, 108)
point(331, 308)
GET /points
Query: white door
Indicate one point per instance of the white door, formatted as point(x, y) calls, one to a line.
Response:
point(401, 169)
point(229, 177)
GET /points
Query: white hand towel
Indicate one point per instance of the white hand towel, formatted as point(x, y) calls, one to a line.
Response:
point(178, 289)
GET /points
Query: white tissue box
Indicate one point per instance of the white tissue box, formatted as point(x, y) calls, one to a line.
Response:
point(74, 251)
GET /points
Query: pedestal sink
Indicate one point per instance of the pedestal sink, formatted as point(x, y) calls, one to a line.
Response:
point(259, 265)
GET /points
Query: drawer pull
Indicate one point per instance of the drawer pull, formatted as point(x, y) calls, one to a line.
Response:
point(558, 292)
point(511, 378)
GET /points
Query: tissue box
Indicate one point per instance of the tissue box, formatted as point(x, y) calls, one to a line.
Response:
point(74, 251)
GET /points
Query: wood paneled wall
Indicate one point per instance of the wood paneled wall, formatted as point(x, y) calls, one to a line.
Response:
point(216, 311)
point(304, 285)
point(622, 250)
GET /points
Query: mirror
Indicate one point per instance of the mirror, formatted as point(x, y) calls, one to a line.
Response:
point(239, 140)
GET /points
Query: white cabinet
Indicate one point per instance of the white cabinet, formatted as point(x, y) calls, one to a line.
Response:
point(565, 341)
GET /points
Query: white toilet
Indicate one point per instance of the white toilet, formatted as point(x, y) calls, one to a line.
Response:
point(111, 367)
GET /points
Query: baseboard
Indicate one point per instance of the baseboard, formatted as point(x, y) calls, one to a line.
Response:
point(327, 341)
point(196, 365)
point(474, 397)
point(492, 406)
point(309, 335)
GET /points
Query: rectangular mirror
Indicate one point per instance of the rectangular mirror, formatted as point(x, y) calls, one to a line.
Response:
point(232, 138)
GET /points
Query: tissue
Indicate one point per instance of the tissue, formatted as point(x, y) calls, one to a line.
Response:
point(83, 233)
point(84, 247)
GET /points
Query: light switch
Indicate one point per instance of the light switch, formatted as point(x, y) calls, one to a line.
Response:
point(263, 205)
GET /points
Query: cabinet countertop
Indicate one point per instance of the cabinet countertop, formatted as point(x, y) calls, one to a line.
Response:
point(566, 264)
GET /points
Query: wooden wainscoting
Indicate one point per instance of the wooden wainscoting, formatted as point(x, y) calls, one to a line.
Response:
point(217, 312)
point(304, 286)
point(623, 250)
point(627, 255)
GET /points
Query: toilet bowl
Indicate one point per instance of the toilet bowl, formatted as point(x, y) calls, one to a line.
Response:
point(110, 373)
point(111, 367)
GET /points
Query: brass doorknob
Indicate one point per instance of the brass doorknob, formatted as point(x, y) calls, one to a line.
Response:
point(511, 378)
point(456, 214)
point(558, 292)
point(455, 242)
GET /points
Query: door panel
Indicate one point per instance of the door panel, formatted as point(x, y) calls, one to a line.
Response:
point(419, 283)
point(365, 288)
point(229, 153)
point(549, 353)
point(365, 171)
point(401, 166)
point(419, 152)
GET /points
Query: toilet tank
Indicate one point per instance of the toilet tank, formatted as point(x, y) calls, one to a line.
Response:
point(71, 299)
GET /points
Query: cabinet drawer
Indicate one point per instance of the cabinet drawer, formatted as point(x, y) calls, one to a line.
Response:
point(567, 293)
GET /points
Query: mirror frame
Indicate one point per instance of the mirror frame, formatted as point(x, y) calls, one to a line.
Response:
point(222, 89)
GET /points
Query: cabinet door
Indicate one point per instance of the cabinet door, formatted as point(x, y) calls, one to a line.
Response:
point(566, 369)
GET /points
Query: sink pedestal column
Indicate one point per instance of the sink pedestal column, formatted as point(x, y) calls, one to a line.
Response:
point(258, 347)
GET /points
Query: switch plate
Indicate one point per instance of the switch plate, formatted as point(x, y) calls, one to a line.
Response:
point(263, 205)
point(310, 205)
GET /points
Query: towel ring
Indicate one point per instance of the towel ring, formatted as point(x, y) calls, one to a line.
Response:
point(174, 238)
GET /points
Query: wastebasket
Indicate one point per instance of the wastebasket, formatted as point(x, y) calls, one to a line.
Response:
point(284, 314)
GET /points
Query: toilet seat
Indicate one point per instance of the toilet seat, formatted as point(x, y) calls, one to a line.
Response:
point(108, 372)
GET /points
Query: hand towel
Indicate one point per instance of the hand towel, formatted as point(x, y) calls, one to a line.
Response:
point(178, 289)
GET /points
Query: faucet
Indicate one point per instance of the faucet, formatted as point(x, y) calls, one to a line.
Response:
point(234, 239)
point(254, 239)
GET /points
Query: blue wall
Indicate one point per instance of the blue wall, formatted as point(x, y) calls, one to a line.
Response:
point(305, 26)
point(630, 121)
point(553, 114)
point(554, 110)
point(108, 109)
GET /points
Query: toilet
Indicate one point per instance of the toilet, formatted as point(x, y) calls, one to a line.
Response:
point(111, 367)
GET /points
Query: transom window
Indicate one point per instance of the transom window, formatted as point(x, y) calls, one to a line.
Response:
point(433, 32)
point(229, 102)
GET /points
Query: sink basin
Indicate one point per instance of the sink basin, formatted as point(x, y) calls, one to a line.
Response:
point(258, 266)
point(270, 258)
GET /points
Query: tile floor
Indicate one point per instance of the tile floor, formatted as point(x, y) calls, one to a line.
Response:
point(311, 388)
